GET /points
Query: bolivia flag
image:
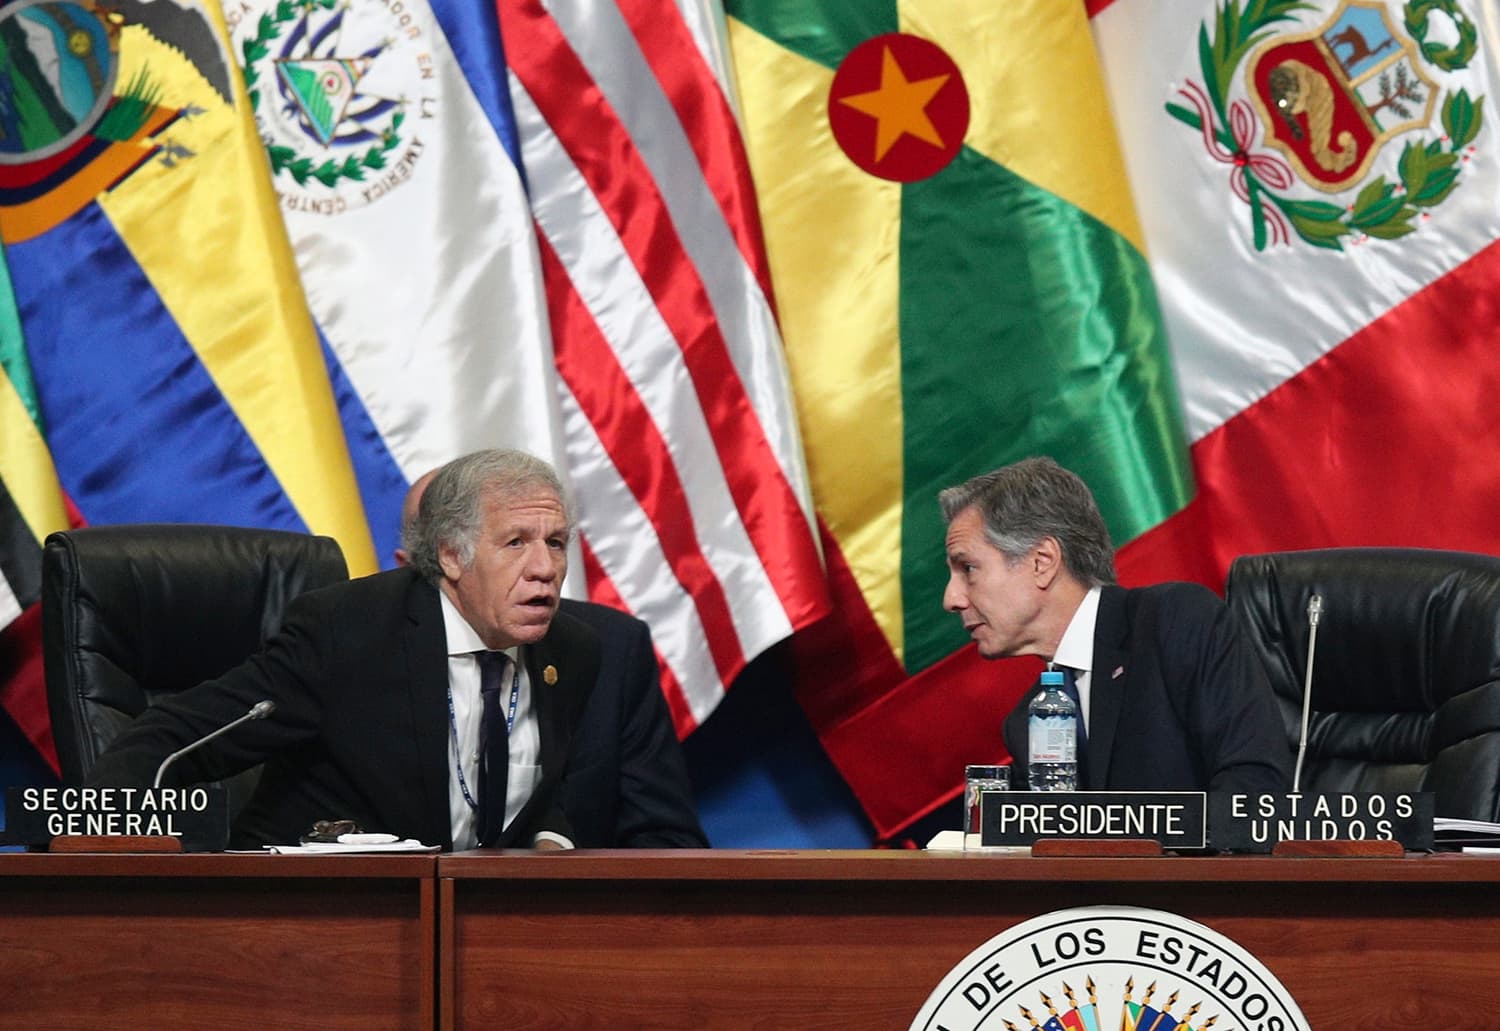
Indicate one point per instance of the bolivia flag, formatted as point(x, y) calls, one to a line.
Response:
point(961, 284)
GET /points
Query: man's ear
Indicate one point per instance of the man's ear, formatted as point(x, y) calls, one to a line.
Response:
point(448, 560)
point(1046, 562)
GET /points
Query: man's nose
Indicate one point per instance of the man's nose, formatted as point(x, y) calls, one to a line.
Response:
point(954, 599)
point(540, 562)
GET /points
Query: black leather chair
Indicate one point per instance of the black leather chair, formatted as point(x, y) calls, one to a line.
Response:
point(1406, 675)
point(133, 613)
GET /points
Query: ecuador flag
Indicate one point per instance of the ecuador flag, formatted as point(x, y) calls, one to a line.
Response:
point(160, 364)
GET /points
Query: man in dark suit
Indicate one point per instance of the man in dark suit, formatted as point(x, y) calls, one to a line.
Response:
point(379, 683)
point(626, 784)
point(1172, 697)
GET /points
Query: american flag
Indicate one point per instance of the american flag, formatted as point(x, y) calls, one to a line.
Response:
point(680, 434)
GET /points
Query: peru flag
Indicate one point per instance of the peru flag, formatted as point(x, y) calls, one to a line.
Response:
point(1319, 186)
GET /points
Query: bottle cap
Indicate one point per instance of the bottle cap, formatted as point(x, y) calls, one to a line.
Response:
point(1052, 678)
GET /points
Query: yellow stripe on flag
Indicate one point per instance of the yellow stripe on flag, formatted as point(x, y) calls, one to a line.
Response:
point(228, 278)
point(1036, 97)
point(831, 235)
point(26, 466)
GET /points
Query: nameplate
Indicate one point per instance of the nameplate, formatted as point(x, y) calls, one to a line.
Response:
point(199, 816)
point(1175, 819)
point(1258, 822)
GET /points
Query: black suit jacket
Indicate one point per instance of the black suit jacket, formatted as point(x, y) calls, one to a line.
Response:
point(1178, 700)
point(627, 784)
point(359, 675)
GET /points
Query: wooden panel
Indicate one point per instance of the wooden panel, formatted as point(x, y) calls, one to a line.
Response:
point(846, 940)
point(223, 942)
point(731, 942)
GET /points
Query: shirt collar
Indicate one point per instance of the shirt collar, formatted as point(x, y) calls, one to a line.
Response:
point(1076, 649)
point(461, 637)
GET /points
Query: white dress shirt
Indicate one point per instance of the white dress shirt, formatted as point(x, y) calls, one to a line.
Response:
point(1076, 649)
point(525, 770)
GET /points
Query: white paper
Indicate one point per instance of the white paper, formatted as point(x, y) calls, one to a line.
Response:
point(335, 847)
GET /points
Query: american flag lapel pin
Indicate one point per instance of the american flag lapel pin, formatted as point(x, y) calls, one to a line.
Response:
point(1118, 673)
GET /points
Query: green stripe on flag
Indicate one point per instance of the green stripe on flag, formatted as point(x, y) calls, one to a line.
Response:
point(13, 346)
point(1027, 328)
point(820, 30)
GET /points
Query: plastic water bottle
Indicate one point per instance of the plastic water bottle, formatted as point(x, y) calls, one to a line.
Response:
point(1052, 728)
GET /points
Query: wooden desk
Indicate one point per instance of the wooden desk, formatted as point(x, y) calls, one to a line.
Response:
point(217, 941)
point(855, 940)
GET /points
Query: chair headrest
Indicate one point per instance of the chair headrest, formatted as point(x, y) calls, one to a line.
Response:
point(133, 612)
point(1401, 628)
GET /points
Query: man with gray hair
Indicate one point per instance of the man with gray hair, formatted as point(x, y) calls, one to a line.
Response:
point(626, 785)
point(1171, 698)
point(434, 702)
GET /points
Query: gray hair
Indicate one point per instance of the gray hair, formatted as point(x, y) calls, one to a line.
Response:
point(1034, 498)
point(451, 510)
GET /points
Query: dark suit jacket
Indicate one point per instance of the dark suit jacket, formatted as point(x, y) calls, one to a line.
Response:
point(1178, 700)
point(627, 783)
point(359, 675)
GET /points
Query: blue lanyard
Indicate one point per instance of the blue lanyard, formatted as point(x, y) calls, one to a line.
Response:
point(510, 722)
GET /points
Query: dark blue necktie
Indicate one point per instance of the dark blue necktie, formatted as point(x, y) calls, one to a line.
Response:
point(494, 746)
point(1070, 688)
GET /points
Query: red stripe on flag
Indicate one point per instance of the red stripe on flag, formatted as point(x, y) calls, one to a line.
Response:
point(592, 372)
point(609, 162)
point(844, 662)
point(1386, 440)
point(904, 756)
point(698, 98)
point(602, 590)
point(23, 685)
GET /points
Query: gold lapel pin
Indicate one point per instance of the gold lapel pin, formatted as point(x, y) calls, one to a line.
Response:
point(549, 674)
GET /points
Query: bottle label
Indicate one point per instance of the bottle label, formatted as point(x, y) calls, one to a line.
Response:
point(1054, 739)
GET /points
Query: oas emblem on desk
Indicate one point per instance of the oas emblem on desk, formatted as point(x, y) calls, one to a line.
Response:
point(1105, 967)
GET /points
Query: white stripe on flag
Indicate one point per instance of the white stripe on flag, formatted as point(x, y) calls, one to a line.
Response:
point(10, 606)
point(627, 546)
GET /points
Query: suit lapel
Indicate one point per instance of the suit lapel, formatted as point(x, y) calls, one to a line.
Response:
point(553, 684)
point(424, 648)
point(1107, 683)
point(547, 682)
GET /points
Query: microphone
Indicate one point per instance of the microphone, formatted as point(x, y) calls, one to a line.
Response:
point(258, 711)
point(1314, 614)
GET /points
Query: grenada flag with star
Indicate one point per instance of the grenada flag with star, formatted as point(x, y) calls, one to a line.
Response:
point(961, 283)
point(1288, 341)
